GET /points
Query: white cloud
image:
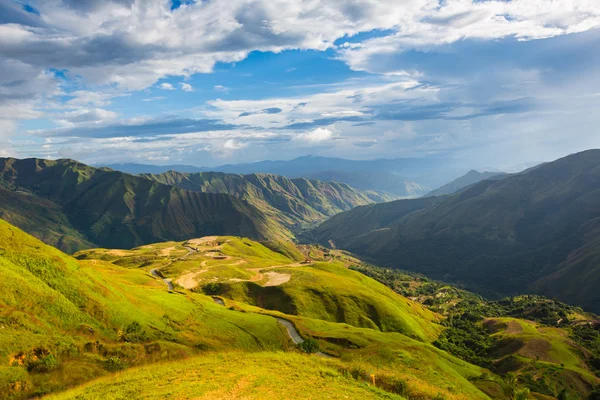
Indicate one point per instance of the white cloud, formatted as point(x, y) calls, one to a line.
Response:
point(316, 136)
point(166, 86)
point(455, 20)
point(110, 48)
point(83, 117)
point(232, 144)
point(186, 87)
point(220, 88)
point(134, 43)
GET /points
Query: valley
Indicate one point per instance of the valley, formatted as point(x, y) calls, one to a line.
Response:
point(113, 311)
point(531, 232)
point(299, 200)
point(73, 206)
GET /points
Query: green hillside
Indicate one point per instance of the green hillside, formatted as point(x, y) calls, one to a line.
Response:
point(66, 321)
point(548, 347)
point(248, 272)
point(72, 205)
point(534, 231)
point(76, 321)
point(295, 203)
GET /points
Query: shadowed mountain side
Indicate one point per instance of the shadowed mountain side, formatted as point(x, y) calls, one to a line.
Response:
point(470, 178)
point(113, 209)
point(498, 237)
point(292, 202)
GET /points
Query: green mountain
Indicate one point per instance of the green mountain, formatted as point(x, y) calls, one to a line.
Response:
point(537, 231)
point(72, 205)
point(240, 319)
point(67, 321)
point(470, 178)
point(294, 203)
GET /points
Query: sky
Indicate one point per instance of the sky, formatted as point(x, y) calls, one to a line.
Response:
point(488, 83)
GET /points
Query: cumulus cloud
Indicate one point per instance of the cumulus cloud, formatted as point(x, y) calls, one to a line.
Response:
point(232, 144)
point(316, 136)
point(186, 87)
point(95, 115)
point(166, 86)
point(447, 65)
point(133, 43)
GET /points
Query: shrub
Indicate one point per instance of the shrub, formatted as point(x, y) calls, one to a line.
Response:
point(114, 364)
point(134, 333)
point(47, 363)
point(309, 346)
point(40, 360)
point(212, 288)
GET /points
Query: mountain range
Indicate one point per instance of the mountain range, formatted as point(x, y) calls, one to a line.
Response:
point(402, 177)
point(73, 206)
point(295, 203)
point(536, 231)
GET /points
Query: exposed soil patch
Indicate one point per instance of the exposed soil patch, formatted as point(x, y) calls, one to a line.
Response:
point(537, 349)
point(188, 280)
point(276, 279)
point(203, 240)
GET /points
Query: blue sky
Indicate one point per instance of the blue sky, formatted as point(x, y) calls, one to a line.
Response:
point(492, 84)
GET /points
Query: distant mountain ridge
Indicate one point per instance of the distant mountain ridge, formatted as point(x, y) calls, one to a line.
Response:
point(71, 205)
point(470, 178)
point(292, 202)
point(538, 230)
point(404, 177)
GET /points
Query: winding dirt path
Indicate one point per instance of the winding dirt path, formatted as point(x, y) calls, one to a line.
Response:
point(287, 324)
point(155, 271)
point(168, 282)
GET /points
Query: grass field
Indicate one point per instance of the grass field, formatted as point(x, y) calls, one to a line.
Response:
point(239, 269)
point(101, 326)
point(233, 376)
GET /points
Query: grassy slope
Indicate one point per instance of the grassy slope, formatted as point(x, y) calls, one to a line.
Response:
point(543, 356)
point(51, 301)
point(77, 310)
point(256, 376)
point(321, 290)
point(293, 202)
point(42, 219)
point(505, 236)
point(113, 209)
point(546, 355)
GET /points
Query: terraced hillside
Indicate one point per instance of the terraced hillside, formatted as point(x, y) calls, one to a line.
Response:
point(322, 293)
point(72, 206)
point(295, 203)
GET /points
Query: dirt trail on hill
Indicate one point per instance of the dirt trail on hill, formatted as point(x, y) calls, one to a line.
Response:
point(273, 278)
point(287, 324)
point(188, 281)
point(155, 272)
point(168, 282)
